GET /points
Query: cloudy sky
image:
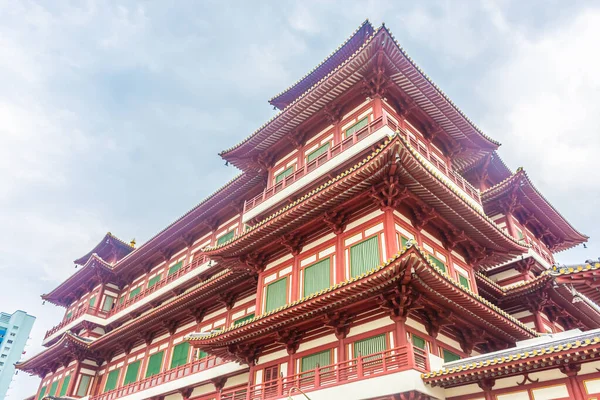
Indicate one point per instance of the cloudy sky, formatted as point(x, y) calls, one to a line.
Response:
point(112, 113)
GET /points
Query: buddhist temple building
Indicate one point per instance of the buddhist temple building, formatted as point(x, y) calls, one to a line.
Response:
point(373, 246)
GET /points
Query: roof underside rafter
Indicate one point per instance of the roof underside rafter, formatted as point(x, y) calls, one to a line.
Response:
point(402, 72)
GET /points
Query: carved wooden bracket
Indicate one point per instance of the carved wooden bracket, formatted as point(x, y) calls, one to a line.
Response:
point(171, 325)
point(297, 138)
point(451, 237)
point(198, 313)
point(293, 242)
point(264, 160)
point(186, 393)
point(336, 221)
point(254, 262)
point(468, 338)
point(147, 337)
point(390, 194)
point(376, 83)
point(245, 353)
point(570, 370)
point(435, 320)
point(400, 302)
point(422, 215)
point(219, 383)
point(339, 322)
point(126, 346)
point(333, 113)
point(291, 339)
point(477, 254)
point(526, 379)
point(228, 299)
point(486, 384)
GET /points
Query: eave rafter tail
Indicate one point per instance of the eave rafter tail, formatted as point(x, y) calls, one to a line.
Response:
point(400, 71)
point(398, 286)
point(391, 175)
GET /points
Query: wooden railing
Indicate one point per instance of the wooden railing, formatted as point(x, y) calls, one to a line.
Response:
point(158, 285)
point(332, 152)
point(94, 311)
point(350, 141)
point(386, 362)
point(159, 379)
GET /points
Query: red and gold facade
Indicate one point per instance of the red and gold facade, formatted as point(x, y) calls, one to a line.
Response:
point(373, 237)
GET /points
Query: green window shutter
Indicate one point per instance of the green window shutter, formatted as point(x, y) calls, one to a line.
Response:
point(320, 359)
point(317, 277)
point(280, 176)
point(276, 295)
point(84, 384)
point(368, 346)
point(521, 237)
point(42, 393)
point(154, 364)
point(108, 303)
point(438, 263)
point(202, 354)
point(111, 380)
point(225, 238)
point(69, 315)
point(418, 341)
point(65, 385)
point(357, 126)
point(243, 319)
point(364, 256)
point(317, 152)
point(403, 241)
point(153, 281)
point(92, 301)
point(53, 387)
point(174, 268)
point(464, 281)
point(135, 292)
point(132, 373)
point(449, 356)
point(121, 300)
point(180, 354)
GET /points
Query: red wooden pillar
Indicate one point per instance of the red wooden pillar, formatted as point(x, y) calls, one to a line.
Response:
point(377, 107)
point(389, 227)
point(71, 388)
point(510, 224)
point(295, 279)
point(340, 259)
point(400, 333)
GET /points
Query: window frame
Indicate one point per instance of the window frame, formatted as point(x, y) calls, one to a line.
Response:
point(287, 287)
point(276, 179)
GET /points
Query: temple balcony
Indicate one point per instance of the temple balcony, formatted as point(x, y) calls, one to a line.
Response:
point(340, 154)
point(387, 372)
point(163, 288)
point(174, 380)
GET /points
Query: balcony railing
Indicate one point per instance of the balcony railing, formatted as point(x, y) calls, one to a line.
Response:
point(347, 143)
point(158, 285)
point(159, 379)
point(93, 311)
point(386, 362)
point(332, 152)
point(96, 312)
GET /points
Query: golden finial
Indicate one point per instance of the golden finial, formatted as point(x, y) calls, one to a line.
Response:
point(132, 243)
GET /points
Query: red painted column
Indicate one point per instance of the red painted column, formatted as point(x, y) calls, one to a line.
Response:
point(340, 259)
point(389, 227)
point(510, 224)
point(295, 279)
point(377, 107)
point(71, 388)
point(401, 339)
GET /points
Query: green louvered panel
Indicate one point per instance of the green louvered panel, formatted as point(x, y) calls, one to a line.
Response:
point(180, 354)
point(153, 281)
point(317, 277)
point(111, 380)
point(315, 154)
point(438, 263)
point(93, 301)
point(320, 359)
point(280, 176)
point(42, 393)
point(225, 238)
point(464, 281)
point(84, 384)
point(419, 342)
point(357, 126)
point(243, 319)
point(366, 347)
point(135, 292)
point(364, 256)
point(403, 241)
point(53, 388)
point(174, 268)
point(449, 356)
point(276, 295)
point(154, 364)
point(65, 385)
point(132, 372)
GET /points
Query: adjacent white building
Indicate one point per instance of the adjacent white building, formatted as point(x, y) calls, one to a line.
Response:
point(14, 332)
